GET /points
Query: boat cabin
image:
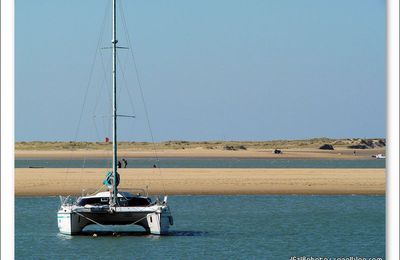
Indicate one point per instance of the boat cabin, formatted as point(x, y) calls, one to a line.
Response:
point(128, 200)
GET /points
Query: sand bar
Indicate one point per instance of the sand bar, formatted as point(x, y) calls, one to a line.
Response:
point(51, 181)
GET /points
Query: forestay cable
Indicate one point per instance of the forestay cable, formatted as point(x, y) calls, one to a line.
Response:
point(86, 92)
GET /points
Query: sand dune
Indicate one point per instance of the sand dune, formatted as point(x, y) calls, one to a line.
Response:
point(44, 182)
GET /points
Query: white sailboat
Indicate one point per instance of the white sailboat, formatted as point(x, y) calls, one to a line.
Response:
point(114, 207)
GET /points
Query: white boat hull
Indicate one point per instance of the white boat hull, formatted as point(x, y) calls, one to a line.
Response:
point(154, 219)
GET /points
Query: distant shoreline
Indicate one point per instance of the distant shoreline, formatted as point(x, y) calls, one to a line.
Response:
point(349, 149)
point(292, 153)
point(314, 143)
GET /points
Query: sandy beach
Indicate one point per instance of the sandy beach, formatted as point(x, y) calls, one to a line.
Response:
point(51, 181)
point(293, 153)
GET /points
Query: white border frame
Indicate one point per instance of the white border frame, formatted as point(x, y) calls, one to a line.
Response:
point(392, 166)
point(7, 130)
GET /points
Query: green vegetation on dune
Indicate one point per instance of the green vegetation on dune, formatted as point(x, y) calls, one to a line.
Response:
point(217, 145)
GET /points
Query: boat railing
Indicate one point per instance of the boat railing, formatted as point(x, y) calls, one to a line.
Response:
point(67, 200)
point(137, 191)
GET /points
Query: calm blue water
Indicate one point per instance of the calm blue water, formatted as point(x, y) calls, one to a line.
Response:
point(204, 163)
point(220, 227)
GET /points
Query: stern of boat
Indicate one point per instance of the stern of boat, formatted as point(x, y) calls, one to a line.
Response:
point(160, 220)
point(68, 222)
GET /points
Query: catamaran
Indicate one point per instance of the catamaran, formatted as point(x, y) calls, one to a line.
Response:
point(114, 207)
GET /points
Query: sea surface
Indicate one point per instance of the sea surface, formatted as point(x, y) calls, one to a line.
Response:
point(203, 163)
point(218, 227)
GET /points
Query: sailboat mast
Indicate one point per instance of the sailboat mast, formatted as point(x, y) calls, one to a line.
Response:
point(114, 76)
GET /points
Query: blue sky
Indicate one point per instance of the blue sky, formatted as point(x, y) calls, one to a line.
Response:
point(210, 70)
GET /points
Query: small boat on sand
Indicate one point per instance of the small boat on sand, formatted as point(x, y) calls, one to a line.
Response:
point(379, 156)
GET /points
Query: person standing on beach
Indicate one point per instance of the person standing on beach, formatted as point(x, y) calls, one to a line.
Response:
point(119, 164)
point(125, 162)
